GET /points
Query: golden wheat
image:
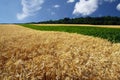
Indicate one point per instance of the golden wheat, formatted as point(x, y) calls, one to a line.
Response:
point(27, 54)
point(104, 26)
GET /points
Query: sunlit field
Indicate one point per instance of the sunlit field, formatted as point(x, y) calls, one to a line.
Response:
point(109, 32)
point(30, 54)
point(103, 26)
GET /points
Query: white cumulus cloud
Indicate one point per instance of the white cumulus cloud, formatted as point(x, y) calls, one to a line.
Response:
point(30, 7)
point(56, 6)
point(118, 7)
point(70, 1)
point(85, 7)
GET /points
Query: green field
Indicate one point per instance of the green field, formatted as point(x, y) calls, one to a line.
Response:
point(111, 34)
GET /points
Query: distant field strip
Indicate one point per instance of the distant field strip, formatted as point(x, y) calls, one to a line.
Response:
point(111, 34)
point(104, 26)
point(27, 54)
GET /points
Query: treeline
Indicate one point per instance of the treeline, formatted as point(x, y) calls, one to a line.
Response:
point(105, 20)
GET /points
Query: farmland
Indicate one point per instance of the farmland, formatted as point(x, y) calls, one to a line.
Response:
point(106, 32)
point(36, 54)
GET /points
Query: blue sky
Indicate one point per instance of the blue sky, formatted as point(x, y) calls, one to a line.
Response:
point(17, 11)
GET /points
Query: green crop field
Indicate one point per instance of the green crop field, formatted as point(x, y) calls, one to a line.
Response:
point(111, 34)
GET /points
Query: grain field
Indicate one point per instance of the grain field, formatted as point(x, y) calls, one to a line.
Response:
point(27, 54)
point(90, 25)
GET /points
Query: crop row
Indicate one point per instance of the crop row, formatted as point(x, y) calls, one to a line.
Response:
point(111, 34)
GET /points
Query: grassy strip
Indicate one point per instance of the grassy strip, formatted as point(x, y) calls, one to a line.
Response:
point(112, 34)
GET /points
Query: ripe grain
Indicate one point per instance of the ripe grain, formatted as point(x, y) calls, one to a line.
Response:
point(27, 54)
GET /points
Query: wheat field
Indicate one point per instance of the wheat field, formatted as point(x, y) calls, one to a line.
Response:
point(27, 54)
point(103, 26)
